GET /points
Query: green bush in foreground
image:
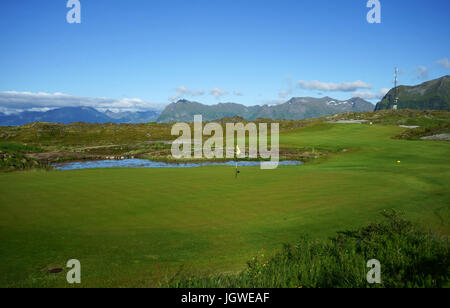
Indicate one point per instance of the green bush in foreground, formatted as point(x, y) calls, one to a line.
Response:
point(409, 257)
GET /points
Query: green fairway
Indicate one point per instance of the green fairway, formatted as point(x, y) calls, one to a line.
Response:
point(139, 227)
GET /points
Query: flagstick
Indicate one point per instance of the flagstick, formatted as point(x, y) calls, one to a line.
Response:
point(238, 152)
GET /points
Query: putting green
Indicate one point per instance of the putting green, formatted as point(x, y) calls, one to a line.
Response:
point(139, 227)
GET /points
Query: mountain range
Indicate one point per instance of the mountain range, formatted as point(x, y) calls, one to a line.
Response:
point(430, 95)
point(184, 111)
point(296, 108)
point(68, 115)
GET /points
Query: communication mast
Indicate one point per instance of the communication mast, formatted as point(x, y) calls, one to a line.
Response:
point(395, 107)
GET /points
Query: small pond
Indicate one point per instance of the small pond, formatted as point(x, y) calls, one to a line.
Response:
point(143, 163)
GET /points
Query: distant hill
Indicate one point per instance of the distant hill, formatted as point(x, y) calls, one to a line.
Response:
point(63, 115)
point(295, 109)
point(69, 115)
point(430, 95)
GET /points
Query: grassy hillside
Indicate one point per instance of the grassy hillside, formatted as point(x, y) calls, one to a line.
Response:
point(140, 227)
point(82, 141)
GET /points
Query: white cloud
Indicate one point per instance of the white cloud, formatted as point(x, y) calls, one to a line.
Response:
point(272, 102)
point(238, 93)
point(183, 91)
point(8, 111)
point(289, 90)
point(371, 95)
point(45, 109)
point(331, 86)
point(284, 93)
point(384, 91)
point(421, 72)
point(445, 63)
point(14, 101)
point(217, 93)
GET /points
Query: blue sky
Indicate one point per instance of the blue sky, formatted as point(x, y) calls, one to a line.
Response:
point(142, 53)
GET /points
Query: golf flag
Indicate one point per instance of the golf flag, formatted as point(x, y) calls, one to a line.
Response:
point(238, 152)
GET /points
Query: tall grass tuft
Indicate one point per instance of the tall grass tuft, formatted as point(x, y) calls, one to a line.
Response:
point(410, 258)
